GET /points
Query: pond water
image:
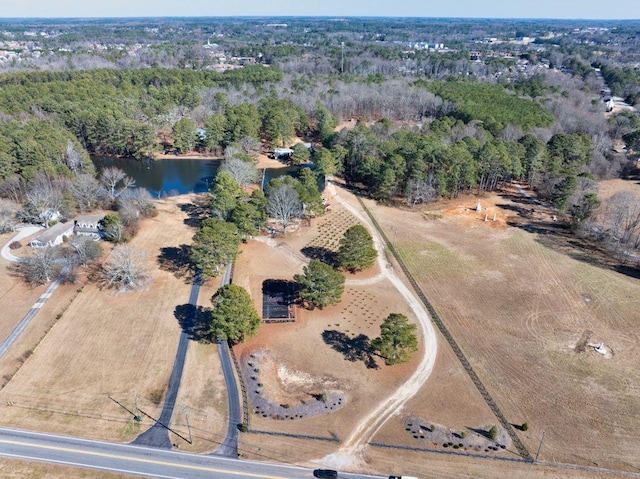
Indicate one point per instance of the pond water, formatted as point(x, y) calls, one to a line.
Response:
point(175, 176)
point(165, 177)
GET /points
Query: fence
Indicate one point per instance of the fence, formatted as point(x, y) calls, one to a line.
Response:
point(243, 389)
point(524, 452)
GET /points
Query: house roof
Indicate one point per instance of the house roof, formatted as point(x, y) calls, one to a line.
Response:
point(52, 233)
point(88, 219)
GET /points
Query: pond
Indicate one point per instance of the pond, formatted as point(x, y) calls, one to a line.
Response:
point(175, 176)
point(165, 177)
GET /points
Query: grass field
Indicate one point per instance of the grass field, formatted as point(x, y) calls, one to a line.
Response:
point(518, 308)
point(119, 345)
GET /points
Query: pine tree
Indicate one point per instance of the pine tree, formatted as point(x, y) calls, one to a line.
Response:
point(356, 249)
point(397, 339)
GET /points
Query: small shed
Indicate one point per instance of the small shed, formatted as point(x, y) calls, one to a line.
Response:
point(282, 153)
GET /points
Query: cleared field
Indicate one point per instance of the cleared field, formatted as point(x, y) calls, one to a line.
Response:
point(111, 345)
point(525, 314)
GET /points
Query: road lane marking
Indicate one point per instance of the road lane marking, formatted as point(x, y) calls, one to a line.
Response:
point(140, 460)
point(85, 466)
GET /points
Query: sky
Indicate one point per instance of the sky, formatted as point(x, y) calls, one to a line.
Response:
point(587, 9)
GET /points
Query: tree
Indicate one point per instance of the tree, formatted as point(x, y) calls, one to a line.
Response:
point(283, 203)
point(224, 196)
point(324, 161)
point(126, 269)
point(113, 228)
point(43, 198)
point(320, 285)
point(301, 154)
point(86, 248)
point(216, 127)
point(234, 317)
point(8, 216)
point(325, 123)
point(308, 192)
point(397, 339)
point(214, 245)
point(115, 181)
point(85, 190)
point(73, 158)
point(243, 172)
point(184, 135)
point(356, 250)
point(41, 266)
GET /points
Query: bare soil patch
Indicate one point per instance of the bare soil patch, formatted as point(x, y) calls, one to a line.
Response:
point(324, 350)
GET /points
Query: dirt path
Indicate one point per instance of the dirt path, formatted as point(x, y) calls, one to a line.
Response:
point(351, 453)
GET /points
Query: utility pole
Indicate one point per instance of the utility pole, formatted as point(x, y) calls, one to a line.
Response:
point(342, 58)
point(540, 445)
point(137, 417)
point(186, 417)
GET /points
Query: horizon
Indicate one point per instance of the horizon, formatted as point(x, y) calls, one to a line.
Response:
point(464, 9)
point(325, 17)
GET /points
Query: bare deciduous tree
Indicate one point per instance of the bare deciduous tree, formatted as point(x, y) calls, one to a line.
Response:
point(72, 158)
point(115, 182)
point(421, 190)
point(41, 266)
point(13, 188)
point(8, 218)
point(249, 146)
point(283, 204)
point(85, 190)
point(43, 198)
point(243, 172)
point(126, 269)
point(86, 248)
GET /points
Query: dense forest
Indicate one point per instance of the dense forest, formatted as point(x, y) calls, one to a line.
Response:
point(433, 120)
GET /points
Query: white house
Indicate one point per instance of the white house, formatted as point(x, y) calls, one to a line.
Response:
point(53, 236)
point(88, 225)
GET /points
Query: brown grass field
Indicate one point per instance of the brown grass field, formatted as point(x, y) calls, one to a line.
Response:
point(518, 300)
point(518, 304)
point(115, 344)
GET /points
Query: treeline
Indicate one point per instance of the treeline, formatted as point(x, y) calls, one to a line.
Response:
point(624, 82)
point(451, 158)
point(33, 146)
point(116, 112)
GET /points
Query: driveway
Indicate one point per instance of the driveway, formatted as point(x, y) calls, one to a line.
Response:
point(22, 234)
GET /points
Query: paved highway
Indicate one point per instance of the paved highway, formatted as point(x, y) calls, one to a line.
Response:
point(140, 461)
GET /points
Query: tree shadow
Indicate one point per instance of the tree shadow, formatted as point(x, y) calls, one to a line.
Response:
point(195, 321)
point(196, 212)
point(519, 427)
point(323, 254)
point(353, 349)
point(177, 260)
point(480, 432)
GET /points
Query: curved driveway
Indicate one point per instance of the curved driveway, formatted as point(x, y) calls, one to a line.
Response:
point(23, 233)
point(352, 450)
